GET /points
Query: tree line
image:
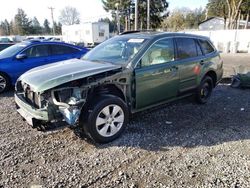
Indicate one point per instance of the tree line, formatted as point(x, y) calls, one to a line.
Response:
point(23, 25)
point(179, 19)
point(184, 18)
point(231, 10)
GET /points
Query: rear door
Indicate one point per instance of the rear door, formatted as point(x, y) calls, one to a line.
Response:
point(190, 58)
point(63, 52)
point(157, 76)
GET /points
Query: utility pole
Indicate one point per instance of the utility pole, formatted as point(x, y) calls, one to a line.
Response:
point(118, 18)
point(136, 14)
point(52, 17)
point(148, 15)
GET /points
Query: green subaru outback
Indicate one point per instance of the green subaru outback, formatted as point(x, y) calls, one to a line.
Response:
point(123, 75)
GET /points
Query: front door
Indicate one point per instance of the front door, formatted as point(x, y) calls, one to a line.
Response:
point(35, 56)
point(157, 75)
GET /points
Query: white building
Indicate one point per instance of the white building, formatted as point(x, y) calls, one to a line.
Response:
point(87, 33)
point(218, 23)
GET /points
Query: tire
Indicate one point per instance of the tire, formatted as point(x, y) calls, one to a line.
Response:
point(101, 124)
point(204, 91)
point(4, 82)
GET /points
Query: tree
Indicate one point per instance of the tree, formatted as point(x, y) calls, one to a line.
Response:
point(4, 28)
point(22, 24)
point(233, 12)
point(36, 27)
point(126, 9)
point(111, 23)
point(46, 28)
point(217, 8)
point(194, 17)
point(175, 22)
point(158, 10)
point(230, 10)
point(11, 27)
point(69, 16)
point(245, 11)
point(58, 28)
point(184, 18)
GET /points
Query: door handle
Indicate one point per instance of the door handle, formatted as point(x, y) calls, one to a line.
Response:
point(202, 62)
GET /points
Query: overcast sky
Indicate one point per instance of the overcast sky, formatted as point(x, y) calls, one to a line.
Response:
point(90, 10)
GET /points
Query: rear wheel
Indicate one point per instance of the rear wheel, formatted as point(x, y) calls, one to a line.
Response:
point(106, 119)
point(4, 83)
point(204, 91)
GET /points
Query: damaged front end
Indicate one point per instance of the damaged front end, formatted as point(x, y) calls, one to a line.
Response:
point(66, 101)
point(69, 102)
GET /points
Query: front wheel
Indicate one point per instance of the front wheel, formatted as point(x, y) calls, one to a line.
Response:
point(106, 119)
point(204, 91)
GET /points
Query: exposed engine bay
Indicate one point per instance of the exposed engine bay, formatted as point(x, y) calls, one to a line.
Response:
point(69, 99)
point(69, 102)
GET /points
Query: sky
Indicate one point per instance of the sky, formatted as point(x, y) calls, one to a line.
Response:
point(90, 10)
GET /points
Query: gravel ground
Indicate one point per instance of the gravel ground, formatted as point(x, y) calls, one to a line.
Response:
point(205, 146)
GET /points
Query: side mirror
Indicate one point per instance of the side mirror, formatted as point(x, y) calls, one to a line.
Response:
point(21, 56)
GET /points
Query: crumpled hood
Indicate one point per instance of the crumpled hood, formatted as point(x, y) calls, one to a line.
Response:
point(49, 76)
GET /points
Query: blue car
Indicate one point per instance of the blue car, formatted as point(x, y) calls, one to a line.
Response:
point(19, 58)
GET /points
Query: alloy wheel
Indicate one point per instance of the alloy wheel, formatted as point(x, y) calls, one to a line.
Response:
point(110, 120)
point(3, 83)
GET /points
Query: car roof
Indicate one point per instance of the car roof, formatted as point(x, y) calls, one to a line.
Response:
point(36, 41)
point(158, 34)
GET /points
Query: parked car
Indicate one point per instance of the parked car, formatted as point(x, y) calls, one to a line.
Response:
point(5, 45)
point(123, 75)
point(19, 58)
point(5, 40)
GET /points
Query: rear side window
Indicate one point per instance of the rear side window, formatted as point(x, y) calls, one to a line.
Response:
point(61, 49)
point(37, 51)
point(186, 48)
point(206, 47)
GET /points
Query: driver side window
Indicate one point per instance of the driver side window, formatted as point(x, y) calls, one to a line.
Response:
point(160, 52)
point(37, 51)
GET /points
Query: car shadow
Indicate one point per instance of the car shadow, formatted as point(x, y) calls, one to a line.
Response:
point(9, 93)
point(224, 118)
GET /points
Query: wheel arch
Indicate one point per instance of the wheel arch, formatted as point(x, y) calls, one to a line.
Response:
point(102, 90)
point(212, 74)
point(5, 74)
point(108, 89)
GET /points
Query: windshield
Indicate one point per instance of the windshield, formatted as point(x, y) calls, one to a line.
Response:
point(12, 50)
point(118, 50)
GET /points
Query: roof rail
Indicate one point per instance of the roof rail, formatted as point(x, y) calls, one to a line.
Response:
point(136, 31)
point(33, 40)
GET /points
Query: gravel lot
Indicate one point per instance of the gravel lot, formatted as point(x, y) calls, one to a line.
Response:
point(205, 146)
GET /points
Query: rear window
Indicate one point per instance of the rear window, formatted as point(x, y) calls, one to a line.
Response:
point(206, 47)
point(186, 48)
